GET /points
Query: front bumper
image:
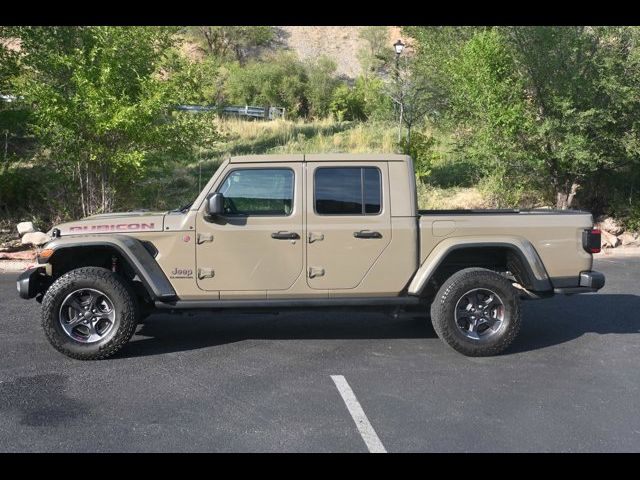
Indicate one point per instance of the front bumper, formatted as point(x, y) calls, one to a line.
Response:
point(30, 282)
point(590, 281)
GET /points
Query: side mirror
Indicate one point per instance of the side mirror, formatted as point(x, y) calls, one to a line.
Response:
point(215, 204)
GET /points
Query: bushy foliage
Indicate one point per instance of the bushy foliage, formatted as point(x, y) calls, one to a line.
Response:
point(364, 101)
point(421, 150)
point(553, 107)
point(527, 116)
point(200, 82)
point(376, 52)
point(321, 85)
point(14, 114)
point(280, 81)
point(348, 104)
point(235, 42)
point(101, 98)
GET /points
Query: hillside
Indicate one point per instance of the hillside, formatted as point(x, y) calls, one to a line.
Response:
point(341, 43)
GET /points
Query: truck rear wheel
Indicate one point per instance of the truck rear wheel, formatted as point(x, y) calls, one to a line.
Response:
point(477, 312)
point(89, 313)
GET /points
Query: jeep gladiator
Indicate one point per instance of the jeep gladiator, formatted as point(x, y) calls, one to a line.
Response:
point(309, 231)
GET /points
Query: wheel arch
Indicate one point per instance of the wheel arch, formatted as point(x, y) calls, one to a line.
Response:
point(511, 253)
point(73, 252)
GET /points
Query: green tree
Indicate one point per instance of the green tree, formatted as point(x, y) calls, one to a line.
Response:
point(582, 86)
point(348, 104)
point(321, 84)
point(376, 52)
point(15, 182)
point(415, 94)
point(547, 107)
point(226, 42)
point(201, 82)
point(101, 100)
point(8, 61)
point(13, 116)
point(365, 100)
point(281, 80)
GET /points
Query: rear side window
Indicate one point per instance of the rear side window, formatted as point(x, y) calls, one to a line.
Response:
point(258, 191)
point(348, 191)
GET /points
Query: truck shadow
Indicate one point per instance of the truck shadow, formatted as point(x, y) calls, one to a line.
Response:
point(561, 319)
point(546, 323)
point(163, 333)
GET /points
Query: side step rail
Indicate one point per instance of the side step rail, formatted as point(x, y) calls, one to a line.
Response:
point(290, 303)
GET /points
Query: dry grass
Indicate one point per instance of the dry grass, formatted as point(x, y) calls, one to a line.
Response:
point(241, 137)
point(321, 136)
point(434, 198)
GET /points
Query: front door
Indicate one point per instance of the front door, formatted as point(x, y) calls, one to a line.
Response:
point(348, 222)
point(256, 245)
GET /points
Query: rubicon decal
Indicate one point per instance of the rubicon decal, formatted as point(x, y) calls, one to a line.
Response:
point(112, 227)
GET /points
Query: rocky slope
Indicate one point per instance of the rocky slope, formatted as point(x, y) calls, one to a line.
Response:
point(340, 43)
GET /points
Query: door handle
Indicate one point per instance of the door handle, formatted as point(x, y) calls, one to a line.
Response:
point(367, 234)
point(285, 236)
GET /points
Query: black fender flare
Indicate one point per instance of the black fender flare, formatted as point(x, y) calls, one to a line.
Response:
point(537, 277)
point(144, 265)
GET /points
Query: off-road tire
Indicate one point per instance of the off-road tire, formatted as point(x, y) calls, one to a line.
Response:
point(124, 302)
point(455, 287)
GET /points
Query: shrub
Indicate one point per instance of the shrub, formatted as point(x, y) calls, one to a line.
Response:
point(366, 100)
point(347, 104)
point(279, 81)
point(421, 149)
point(321, 85)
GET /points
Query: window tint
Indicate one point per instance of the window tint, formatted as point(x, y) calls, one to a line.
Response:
point(258, 192)
point(372, 190)
point(347, 191)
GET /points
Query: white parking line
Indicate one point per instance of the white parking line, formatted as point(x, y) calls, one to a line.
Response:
point(362, 422)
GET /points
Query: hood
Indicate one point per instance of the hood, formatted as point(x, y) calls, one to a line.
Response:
point(119, 222)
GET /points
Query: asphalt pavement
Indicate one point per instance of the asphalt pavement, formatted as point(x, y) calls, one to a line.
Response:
point(221, 382)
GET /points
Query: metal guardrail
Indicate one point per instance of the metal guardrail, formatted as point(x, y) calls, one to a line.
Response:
point(10, 98)
point(269, 113)
point(196, 108)
point(255, 112)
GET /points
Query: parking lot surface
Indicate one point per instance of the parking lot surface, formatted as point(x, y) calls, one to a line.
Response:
point(221, 382)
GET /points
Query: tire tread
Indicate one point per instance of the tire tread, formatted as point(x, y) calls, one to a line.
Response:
point(129, 311)
point(442, 302)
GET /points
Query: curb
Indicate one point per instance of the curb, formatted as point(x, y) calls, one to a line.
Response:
point(15, 266)
point(618, 252)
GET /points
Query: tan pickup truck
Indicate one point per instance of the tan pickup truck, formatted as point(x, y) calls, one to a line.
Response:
point(309, 231)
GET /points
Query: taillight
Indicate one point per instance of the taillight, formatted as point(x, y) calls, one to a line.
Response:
point(591, 240)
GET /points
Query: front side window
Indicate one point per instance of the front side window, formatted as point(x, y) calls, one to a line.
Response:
point(348, 191)
point(258, 191)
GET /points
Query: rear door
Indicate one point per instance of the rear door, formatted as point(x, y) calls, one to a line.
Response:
point(348, 221)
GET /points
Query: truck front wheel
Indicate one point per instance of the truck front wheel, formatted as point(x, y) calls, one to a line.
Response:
point(89, 313)
point(477, 312)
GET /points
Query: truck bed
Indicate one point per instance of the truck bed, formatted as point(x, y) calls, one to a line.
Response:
point(556, 235)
